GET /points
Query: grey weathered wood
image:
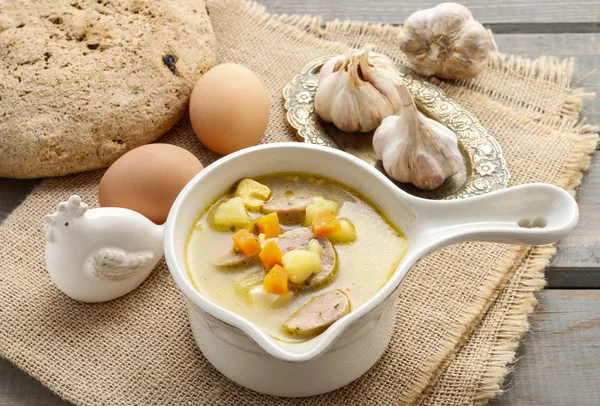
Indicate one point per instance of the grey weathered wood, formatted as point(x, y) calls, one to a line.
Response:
point(585, 48)
point(486, 11)
point(12, 193)
point(19, 389)
point(559, 360)
point(577, 264)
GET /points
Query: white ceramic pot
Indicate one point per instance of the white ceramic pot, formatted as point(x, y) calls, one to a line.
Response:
point(244, 353)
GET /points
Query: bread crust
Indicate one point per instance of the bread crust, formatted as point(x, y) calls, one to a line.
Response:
point(84, 81)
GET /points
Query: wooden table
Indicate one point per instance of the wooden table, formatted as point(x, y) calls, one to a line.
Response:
point(560, 358)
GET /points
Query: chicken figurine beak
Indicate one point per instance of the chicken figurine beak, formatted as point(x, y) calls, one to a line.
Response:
point(100, 254)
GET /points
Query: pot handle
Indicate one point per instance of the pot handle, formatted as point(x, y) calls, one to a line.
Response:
point(534, 214)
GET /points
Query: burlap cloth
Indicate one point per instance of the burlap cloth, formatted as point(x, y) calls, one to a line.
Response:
point(461, 311)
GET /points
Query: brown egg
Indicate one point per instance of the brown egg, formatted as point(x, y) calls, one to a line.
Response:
point(229, 108)
point(147, 179)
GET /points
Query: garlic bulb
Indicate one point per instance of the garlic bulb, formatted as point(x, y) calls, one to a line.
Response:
point(358, 90)
point(416, 149)
point(445, 41)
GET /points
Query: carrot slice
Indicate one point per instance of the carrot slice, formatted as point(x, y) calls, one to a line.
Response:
point(245, 243)
point(269, 225)
point(271, 255)
point(325, 223)
point(276, 281)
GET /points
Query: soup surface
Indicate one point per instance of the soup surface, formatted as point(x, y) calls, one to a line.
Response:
point(356, 261)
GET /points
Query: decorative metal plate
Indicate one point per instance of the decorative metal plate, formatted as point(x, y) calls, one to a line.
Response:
point(484, 166)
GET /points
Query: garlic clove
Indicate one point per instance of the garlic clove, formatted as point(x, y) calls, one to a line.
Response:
point(328, 67)
point(356, 91)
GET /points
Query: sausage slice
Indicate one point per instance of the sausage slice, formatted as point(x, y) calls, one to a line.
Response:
point(328, 264)
point(318, 314)
point(290, 210)
point(298, 239)
point(233, 259)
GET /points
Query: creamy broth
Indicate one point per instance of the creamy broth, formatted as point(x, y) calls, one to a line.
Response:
point(364, 265)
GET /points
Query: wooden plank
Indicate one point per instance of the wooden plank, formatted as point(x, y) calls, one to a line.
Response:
point(585, 48)
point(578, 260)
point(485, 11)
point(543, 28)
point(19, 389)
point(12, 193)
point(559, 363)
point(559, 360)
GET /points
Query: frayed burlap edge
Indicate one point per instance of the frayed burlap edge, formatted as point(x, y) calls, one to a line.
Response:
point(568, 116)
point(549, 69)
point(512, 330)
point(579, 161)
point(489, 290)
point(514, 325)
point(515, 322)
point(296, 26)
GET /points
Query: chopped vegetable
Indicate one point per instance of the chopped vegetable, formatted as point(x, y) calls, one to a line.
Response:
point(314, 246)
point(325, 223)
point(245, 243)
point(301, 264)
point(253, 193)
point(259, 296)
point(271, 255)
point(269, 225)
point(347, 233)
point(250, 280)
point(231, 213)
point(276, 281)
point(251, 226)
point(318, 205)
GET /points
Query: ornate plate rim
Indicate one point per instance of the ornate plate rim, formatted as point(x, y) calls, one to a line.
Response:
point(488, 171)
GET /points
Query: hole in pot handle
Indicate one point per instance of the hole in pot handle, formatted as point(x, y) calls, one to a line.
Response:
point(534, 214)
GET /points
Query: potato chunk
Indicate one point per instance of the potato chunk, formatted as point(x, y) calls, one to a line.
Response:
point(260, 296)
point(301, 264)
point(232, 213)
point(318, 205)
point(253, 193)
point(346, 235)
point(314, 246)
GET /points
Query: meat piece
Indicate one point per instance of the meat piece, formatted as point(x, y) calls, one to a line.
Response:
point(328, 264)
point(290, 210)
point(297, 239)
point(232, 259)
point(318, 314)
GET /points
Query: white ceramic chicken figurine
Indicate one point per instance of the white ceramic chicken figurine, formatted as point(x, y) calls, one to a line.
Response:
point(100, 254)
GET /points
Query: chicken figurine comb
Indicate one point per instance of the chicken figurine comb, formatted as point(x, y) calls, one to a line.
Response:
point(100, 254)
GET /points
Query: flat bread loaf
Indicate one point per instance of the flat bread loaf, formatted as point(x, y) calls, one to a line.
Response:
point(84, 81)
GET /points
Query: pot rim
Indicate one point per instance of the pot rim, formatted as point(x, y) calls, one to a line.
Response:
point(324, 340)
